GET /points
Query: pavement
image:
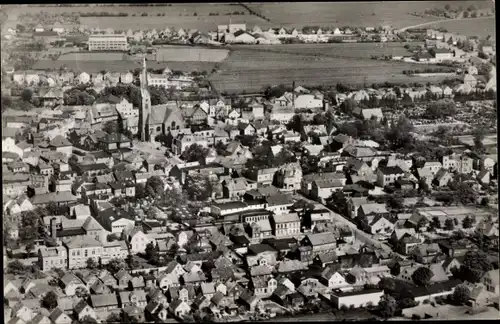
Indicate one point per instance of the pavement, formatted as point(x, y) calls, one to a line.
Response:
point(450, 312)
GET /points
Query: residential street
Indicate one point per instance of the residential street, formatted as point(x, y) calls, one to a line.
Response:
point(359, 234)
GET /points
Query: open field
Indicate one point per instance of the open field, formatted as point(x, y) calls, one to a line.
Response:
point(489, 140)
point(336, 50)
point(364, 14)
point(176, 16)
point(252, 70)
point(480, 27)
point(190, 54)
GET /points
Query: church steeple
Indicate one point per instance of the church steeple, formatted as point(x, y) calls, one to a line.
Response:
point(145, 111)
point(144, 80)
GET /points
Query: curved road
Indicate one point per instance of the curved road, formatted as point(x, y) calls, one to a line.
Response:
point(442, 20)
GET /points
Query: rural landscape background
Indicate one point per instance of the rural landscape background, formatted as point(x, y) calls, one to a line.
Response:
point(250, 68)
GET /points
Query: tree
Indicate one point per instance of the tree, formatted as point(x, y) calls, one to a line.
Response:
point(463, 193)
point(349, 129)
point(423, 186)
point(478, 139)
point(474, 266)
point(20, 28)
point(387, 284)
point(467, 222)
point(29, 247)
point(348, 106)
point(274, 92)
point(466, 14)
point(435, 222)
point(399, 133)
point(81, 292)
point(91, 263)
point(27, 95)
point(172, 197)
point(111, 127)
point(448, 225)
point(88, 320)
point(152, 254)
point(50, 300)
point(195, 153)
point(295, 123)
point(114, 318)
point(339, 201)
point(422, 276)
point(461, 294)
point(140, 191)
point(387, 306)
point(395, 202)
point(132, 262)
point(52, 208)
point(16, 267)
point(115, 265)
point(198, 187)
point(319, 119)
point(154, 187)
point(440, 108)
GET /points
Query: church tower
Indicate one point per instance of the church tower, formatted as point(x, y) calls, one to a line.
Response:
point(145, 111)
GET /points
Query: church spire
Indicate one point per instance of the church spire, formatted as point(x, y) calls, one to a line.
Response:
point(144, 81)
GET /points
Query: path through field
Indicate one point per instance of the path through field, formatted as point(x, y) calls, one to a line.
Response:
point(440, 21)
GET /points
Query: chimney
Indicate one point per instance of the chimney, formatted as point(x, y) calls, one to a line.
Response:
point(53, 228)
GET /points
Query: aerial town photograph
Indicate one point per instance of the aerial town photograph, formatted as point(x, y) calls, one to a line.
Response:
point(237, 162)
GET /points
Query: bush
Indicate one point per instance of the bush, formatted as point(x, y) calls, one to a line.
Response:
point(416, 317)
point(426, 301)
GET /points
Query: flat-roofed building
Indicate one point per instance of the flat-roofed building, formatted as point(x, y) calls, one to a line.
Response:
point(108, 43)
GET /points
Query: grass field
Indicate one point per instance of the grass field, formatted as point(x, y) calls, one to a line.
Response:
point(481, 27)
point(176, 16)
point(189, 53)
point(397, 14)
point(252, 70)
point(336, 50)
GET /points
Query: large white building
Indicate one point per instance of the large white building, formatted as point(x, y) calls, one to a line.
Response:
point(108, 43)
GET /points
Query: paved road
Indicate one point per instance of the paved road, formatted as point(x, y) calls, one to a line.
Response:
point(358, 234)
point(441, 20)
